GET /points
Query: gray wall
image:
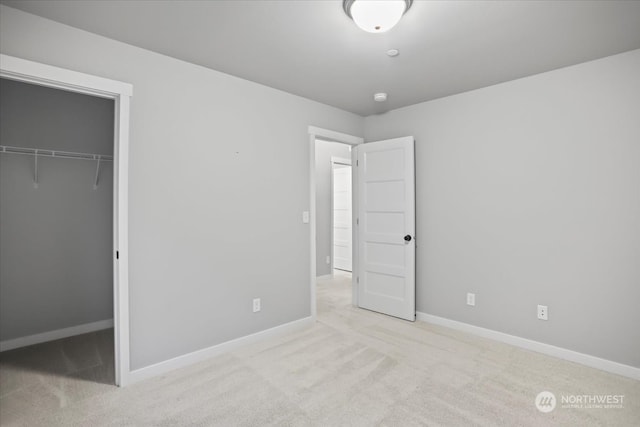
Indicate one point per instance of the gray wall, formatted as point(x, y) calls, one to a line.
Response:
point(528, 193)
point(218, 181)
point(56, 240)
point(324, 151)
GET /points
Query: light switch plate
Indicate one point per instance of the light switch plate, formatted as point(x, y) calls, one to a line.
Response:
point(305, 217)
point(471, 299)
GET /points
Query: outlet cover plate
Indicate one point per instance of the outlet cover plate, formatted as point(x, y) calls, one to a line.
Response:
point(543, 312)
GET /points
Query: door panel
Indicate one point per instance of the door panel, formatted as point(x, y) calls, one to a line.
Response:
point(386, 214)
point(385, 196)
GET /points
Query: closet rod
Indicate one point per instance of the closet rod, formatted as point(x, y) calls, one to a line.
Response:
point(54, 153)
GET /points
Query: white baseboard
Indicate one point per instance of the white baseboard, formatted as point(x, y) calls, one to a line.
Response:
point(324, 276)
point(207, 353)
point(550, 350)
point(55, 335)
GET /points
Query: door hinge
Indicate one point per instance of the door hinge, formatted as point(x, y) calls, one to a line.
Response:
point(117, 254)
point(357, 221)
point(357, 279)
point(357, 162)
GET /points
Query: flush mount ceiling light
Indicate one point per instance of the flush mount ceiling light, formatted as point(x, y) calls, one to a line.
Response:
point(380, 97)
point(376, 16)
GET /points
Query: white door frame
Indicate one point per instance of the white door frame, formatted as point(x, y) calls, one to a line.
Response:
point(332, 136)
point(337, 161)
point(18, 69)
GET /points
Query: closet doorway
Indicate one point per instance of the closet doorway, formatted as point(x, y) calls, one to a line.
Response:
point(63, 244)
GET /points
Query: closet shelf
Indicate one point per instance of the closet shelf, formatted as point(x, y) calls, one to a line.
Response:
point(54, 153)
point(37, 152)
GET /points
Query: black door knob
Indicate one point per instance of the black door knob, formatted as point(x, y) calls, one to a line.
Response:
point(407, 238)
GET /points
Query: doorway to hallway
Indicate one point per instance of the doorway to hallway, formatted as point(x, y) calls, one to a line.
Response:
point(342, 216)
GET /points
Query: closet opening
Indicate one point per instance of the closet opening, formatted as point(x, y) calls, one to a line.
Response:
point(57, 235)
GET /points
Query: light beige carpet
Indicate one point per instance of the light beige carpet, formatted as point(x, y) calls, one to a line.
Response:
point(352, 367)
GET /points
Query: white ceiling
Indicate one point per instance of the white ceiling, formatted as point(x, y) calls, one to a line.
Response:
point(312, 49)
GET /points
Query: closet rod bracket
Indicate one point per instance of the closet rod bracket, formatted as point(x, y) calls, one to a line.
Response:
point(35, 169)
point(95, 182)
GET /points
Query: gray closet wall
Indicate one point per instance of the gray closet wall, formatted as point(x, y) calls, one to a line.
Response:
point(55, 240)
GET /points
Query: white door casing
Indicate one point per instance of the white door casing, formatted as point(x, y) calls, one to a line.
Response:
point(342, 216)
point(386, 227)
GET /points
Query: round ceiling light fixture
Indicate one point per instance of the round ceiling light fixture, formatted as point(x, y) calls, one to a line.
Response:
point(376, 16)
point(380, 97)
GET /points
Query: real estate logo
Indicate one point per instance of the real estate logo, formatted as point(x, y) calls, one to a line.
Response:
point(592, 401)
point(545, 401)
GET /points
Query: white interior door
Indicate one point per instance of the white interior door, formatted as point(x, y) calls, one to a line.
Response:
point(342, 216)
point(386, 227)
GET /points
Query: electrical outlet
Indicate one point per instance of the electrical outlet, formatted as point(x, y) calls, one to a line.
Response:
point(471, 299)
point(256, 305)
point(328, 259)
point(543, 312)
